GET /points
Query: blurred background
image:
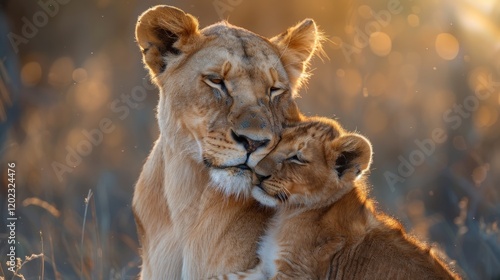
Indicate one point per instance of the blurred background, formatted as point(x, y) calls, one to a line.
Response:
point(420, 79)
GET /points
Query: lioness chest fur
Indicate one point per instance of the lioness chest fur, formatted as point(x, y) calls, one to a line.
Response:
point(225, 95)
point(325, 227)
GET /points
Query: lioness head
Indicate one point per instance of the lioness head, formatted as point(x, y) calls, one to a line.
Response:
point(226, 92)
point(316, 161)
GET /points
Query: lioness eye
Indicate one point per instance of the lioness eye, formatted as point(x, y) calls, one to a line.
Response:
point(217, 81)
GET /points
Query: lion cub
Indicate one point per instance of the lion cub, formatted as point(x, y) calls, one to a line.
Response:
point(325, 227)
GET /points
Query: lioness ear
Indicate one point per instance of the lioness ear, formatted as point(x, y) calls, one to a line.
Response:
point(160, 32)
point(297, 45)
point(350, 155)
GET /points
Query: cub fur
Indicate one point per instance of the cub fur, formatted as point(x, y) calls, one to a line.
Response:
point(325, 227)
point(225, 95)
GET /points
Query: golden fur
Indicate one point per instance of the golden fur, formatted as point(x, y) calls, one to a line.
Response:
point(325, 227)
point(225, 94)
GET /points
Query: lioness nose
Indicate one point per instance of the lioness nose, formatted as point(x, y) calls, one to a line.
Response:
point(247, 142)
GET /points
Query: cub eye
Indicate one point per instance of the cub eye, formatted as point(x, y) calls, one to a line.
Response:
point(297, 160)
point(275, 91)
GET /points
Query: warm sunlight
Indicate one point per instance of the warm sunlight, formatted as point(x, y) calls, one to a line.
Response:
point(91, 98)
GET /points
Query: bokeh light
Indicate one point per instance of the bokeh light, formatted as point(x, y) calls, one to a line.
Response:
point(380, 43)
point(485, 117)
point(447, 46)
point(479, 174)
point(60, 72)
point(92, 95)
point(413, 20)
point(79, 75)
point(31, 74)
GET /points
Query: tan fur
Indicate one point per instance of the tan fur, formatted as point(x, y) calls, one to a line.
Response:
point(325, 227)
point(225, 94)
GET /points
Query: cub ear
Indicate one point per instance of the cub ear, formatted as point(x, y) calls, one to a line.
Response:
point(350, 155)
point(297, 46)
point(160, 32)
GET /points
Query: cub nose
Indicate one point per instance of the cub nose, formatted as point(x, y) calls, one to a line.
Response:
point(258, 178)
point(247, 142)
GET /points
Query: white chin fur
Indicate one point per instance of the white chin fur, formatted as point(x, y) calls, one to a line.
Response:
point(263, 198)
point(230, 182)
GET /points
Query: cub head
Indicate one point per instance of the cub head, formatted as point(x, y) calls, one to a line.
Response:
point(315, 163)
point(225, 92)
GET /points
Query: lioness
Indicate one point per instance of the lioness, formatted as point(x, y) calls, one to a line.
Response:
point(225, 94)
point(325, 227)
